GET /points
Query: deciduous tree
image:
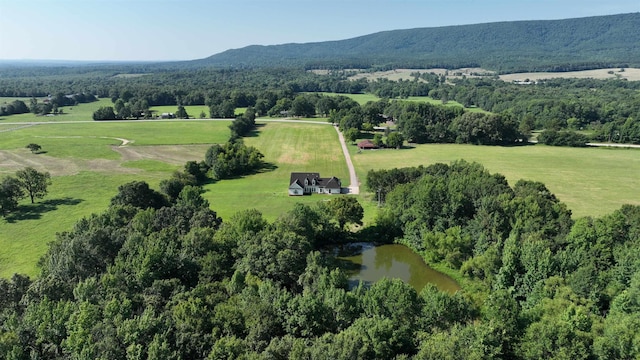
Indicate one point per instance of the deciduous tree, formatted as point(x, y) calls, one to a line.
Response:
point(33, 182)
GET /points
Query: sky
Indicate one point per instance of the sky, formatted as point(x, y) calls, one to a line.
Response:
point(162, 30)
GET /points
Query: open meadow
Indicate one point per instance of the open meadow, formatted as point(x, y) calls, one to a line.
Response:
point(288, 147)
point(80, 112)
point(88, 161)
point(591, 181)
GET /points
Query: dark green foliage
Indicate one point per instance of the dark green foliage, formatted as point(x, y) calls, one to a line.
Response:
point(277, 254)
point(351, 135)
point(14, 107)
point(138, 194)
point(104, 113)
point(233, 159)
point(563, 138)
point(345, 210)
point(425, 123)
point(11, 191)
point(484, 129)
point(169, 280)
point(181, 113)
point(34, 148)
point(243, 124)
point(33, 182)
point(395, 140)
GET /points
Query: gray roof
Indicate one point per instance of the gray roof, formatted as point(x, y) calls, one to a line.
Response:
point(299, 178)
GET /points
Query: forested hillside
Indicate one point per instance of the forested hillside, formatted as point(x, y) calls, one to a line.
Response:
point(557, 45)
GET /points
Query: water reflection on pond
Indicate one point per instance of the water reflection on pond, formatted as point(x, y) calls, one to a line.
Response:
point(369, 263)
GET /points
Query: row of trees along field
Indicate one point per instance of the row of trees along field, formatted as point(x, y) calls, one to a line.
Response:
point(163, 277)
point(609, 109)
point(50, 104)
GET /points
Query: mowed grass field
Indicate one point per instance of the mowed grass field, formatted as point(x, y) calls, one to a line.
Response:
point(289, 147)
point(591, 181)
point(80, 112)
point(89, 162)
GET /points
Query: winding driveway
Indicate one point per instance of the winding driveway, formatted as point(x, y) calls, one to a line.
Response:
point(354, 186)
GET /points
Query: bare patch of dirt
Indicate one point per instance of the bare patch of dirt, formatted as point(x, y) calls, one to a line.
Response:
point(11, 161)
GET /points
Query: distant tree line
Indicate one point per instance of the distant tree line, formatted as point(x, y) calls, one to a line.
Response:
point(607, 109)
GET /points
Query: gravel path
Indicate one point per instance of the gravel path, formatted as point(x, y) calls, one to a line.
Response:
point(354, 185)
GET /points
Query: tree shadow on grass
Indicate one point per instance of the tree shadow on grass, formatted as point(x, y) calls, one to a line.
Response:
point(35, 211)
point(255, 132)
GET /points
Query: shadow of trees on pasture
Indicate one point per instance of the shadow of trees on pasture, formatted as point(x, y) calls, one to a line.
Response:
point(35, 211)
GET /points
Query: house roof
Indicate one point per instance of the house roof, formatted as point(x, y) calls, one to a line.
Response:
point(299, 178)
point(367, 144)
point(332, 183)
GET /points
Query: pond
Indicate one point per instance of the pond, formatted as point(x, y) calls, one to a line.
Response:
point(368, 263)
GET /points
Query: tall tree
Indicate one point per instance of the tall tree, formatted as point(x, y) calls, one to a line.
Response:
point(10, 193)
point(34, 182)
point(346, 209)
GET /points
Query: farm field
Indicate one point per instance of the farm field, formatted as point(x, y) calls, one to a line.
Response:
point(193, 110)
point(364, 98)
point(631, 74)
point(80, 112)
point(88, 162)
point(591, 181)
point(87, 169)
point(291, 147)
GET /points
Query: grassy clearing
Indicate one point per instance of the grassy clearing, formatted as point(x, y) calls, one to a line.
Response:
point(364, 98)
point(193, 110)
point(631, 74)
point(591, 181)
point(291, 147)
point(24, 240)
point(58, 139)
point(80, 112)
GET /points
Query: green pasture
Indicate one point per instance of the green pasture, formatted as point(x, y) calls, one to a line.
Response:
point(289, 147)
point(87, 140)
point(80, 112)
point(24, 238)
point(364, 98)
point(591, 181)
point(192, 110)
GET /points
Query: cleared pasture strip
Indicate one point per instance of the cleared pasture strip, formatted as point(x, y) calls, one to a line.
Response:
point(192, 110)
point(139, 132)
point(291, 147)
point(591, 181)
point(80, 112)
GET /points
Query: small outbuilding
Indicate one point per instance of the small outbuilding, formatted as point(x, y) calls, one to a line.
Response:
point(366, 145)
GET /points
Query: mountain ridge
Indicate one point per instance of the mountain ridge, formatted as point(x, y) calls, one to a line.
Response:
point(610, 40)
